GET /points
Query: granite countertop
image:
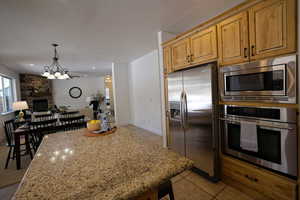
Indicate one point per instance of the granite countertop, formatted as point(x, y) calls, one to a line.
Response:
point(122, 165)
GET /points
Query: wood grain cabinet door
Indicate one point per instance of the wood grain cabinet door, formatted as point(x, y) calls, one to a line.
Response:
point(272, 28)
point(204, 46)
point(233, 40)
point(179, 54)
point(167, 60)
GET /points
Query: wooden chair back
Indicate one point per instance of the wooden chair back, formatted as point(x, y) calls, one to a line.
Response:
point(9, 129)
point(69, 114)
point(41, 128)
point(72, 123)
point(44, 117)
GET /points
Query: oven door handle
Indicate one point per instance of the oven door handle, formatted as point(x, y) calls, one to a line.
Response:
point(275, 127)
point(260, 125)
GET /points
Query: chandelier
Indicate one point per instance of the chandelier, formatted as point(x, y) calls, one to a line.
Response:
point(55, 71)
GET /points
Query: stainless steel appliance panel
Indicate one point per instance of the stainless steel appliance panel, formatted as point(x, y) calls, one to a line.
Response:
point(176, 131)
point(276, 136)
point(198, 117)
point(269, 80)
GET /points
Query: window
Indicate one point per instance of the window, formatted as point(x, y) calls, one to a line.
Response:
point(6, 94)
point(107, 93)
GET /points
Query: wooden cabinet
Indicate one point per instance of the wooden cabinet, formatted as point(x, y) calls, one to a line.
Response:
point(180, 52)
point(150, 195)
point(271, 32)
point(167, 60)
point(204, 46)
point(272, 28)
point(199, 48)
point(233, 39)
point(260, 30)
point(264, 184)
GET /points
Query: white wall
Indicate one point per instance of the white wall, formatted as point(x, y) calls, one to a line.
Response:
point(10, 73)
point(121, 93)
point(89, 86)
point(145, 97)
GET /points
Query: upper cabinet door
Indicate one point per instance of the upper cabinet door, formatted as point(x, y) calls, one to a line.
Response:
point(204, 46)
point(167, 60)
point(180, 54)
point(233, 40)
point(272, 28)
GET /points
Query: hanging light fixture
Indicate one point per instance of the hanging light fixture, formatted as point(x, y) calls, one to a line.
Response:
point(55, 71)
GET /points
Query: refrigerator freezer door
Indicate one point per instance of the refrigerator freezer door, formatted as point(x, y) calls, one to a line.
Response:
point(198, 117)
point(175, 95)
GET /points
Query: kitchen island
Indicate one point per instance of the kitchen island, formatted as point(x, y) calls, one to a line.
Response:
point(122, 165)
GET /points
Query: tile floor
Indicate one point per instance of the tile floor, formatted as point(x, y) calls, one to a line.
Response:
point(191, 186)
point(6, 193)
point(186, 186)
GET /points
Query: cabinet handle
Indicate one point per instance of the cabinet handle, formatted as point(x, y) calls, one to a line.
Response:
point(245, 53)
point(252, 50)
point(191, 57)
point(251, 178)
point(188, 58)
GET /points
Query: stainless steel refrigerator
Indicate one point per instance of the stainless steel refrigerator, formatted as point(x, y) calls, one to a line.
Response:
point(193, 127)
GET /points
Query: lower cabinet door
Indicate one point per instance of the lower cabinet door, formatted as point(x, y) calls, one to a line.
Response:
point(271, 185)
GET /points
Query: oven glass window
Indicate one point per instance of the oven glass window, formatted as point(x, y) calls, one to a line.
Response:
point(268, 142)
point(234, 138)
point(262, 81)
point(269, 145)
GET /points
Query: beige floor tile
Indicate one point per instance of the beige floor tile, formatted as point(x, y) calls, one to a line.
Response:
point(176, 178)
point(180, 176)
point(204, 184)
point(185, 173)
point(185, 190)
point(6, 193)
point(230, 193)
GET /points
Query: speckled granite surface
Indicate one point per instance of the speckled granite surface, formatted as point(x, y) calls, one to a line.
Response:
point(122, 165)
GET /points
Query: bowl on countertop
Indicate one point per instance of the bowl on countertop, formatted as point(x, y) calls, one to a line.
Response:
point(94, 125)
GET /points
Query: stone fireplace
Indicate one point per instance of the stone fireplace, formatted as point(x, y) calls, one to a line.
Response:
point(36, 90)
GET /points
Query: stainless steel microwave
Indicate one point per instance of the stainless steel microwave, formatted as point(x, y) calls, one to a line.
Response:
point(269, 80)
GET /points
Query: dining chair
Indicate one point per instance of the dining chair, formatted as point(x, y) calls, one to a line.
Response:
point(43, 127)
point(9, 129)
point(69, 114)
point(72, 123)
point(44, 117)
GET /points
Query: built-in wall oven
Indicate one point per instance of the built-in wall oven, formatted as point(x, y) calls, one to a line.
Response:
point(265, 136)
point(265, 80)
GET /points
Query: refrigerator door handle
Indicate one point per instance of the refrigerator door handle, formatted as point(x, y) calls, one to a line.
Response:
point(181, 110)
point(185, 112)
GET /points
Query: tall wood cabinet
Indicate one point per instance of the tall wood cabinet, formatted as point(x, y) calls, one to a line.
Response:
point(167, 60)
point(233, 39)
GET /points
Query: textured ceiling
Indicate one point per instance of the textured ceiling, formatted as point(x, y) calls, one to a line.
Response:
point(92, 33)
